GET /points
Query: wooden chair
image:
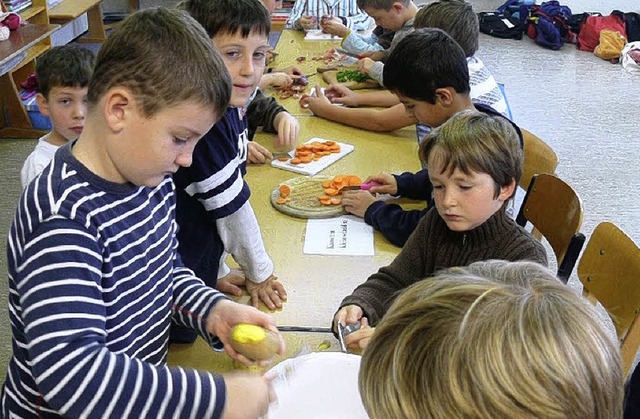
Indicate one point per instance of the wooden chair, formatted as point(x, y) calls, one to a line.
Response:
point(609, 270)
point(555, 211)
point(538, 158)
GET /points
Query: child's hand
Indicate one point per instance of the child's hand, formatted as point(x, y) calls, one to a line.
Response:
point(334, 26)
point(357, 202)
point(357, 341)
point(239, 385)
point(288, 129)
point(347, 315)
point(275, 80)
point(291, 70)
point(257, 154)
point(374, 55)
point(316, 103)
point(231, 283)
point(308, 22)
point(270, 292)
point(388, 183)
point(342, 95)
point(365, 65)
point(226, 314)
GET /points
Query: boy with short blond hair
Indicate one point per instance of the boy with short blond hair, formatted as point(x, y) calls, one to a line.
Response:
point(475, 163)
point(214, 212)
point(491, 340)
point(63, 75)
point(94, 275)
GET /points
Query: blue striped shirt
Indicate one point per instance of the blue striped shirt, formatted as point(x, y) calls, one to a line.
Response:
point(356, 19)
point(94, 282)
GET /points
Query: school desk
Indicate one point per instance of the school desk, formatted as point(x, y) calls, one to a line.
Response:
point(315, 284)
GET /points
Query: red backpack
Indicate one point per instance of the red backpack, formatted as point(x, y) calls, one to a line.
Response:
point(589, 36)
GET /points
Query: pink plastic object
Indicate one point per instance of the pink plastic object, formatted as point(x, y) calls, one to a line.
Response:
point(369, 185)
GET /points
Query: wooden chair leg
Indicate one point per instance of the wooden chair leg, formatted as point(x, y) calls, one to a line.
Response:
point(96, 33)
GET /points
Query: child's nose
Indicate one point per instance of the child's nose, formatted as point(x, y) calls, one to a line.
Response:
point(79, 111)
point(449, 199)
point(184, 159)
point(247, 66)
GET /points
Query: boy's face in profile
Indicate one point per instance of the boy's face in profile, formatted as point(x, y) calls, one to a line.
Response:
point(431, 114)
point(464, 201)
point(245, 61)
point(67, 108)
point(391, 19)
point(155, 147)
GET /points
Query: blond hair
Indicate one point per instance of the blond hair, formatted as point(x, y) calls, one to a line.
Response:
point(478, 142)
point(164, 57)
point(494, 339)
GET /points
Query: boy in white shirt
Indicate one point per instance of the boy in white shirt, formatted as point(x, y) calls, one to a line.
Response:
point(63, 76)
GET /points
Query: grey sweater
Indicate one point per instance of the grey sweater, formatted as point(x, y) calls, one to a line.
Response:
point(432, 247)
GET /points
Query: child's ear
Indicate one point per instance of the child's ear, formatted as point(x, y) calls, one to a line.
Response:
point(507, 192)
point(398, 7)
point(43, 104)
point(444, 96)
point(118, 105)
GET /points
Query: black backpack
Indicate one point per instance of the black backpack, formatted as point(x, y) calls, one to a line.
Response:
point(500, 25)
point(632, 21)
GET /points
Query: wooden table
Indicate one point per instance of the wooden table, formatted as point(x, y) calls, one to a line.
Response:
point(68, 10)
point(315, 284)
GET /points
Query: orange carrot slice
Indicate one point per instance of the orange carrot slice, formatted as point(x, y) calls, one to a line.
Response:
point(335, 201)
point(284, 190)
point(280, 200)
point(283, 158)
point(331, 191)
point(295, 161)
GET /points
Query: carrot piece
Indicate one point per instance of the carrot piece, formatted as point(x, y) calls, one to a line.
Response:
point(284, 190)
point(335, 201)
point(329, 142)
point(295, 161)
point(280, 200)
point(355, 180)
point(325, 201)
point(323, 197)
point(283, 158)
point(305, 159)
point(303, 153)
point(331, 191)
point(326, 184)
point(338, 179)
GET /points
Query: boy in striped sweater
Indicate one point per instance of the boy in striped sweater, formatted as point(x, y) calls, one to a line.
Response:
point(213, 210)
point(95, 279)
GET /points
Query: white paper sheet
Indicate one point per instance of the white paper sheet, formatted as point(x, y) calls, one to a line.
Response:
point(347, 235)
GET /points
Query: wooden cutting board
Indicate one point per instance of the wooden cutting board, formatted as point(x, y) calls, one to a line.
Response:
point(331, 76)
point(303, 202)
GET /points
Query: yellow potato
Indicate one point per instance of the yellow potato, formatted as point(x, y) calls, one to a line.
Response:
point(254, 342)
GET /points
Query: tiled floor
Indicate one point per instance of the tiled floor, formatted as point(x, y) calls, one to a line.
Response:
point(585, 108)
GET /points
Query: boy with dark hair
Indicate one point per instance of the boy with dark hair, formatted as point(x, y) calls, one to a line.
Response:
point(475, 163)
point(457, 18)
point(63, 75)
point(214, 213)
point(439, 62)
point(94, 275)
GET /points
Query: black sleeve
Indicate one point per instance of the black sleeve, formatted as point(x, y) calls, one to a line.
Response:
point(261, 112)
point(395, 224)
point(415, 185)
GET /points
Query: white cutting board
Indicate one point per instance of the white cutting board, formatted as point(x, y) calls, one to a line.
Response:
point(312, 168)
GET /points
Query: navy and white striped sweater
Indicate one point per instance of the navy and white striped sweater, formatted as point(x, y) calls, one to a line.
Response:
point(95, 281)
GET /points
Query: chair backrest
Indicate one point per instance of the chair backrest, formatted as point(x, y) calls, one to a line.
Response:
point(609, 270)
point(554, 209)
point(538, 158)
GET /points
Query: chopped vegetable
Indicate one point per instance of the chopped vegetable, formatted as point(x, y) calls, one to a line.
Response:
point(351, 75)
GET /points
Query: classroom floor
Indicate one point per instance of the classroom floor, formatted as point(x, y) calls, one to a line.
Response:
point(585, 108)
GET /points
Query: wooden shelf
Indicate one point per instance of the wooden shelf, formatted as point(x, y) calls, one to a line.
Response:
point(31, 40)
point(67, 10)
point(31, 12)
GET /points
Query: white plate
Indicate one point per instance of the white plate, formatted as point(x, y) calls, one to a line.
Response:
point(319, 385)
point(314, 167)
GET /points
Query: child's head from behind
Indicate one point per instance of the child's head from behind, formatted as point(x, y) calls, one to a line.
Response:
point(428, 72)
point(63, 75)
point(389, 14)
point(474, 162)
point(494, 339)
point(456, 18)
point(158, 87)
point(239, 30)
